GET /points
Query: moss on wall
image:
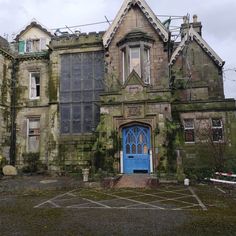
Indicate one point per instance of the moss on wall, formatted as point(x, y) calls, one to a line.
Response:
point(52, 86)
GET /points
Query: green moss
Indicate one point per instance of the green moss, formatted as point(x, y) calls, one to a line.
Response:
point(4, 89)
point(20, 90)
point(52, 85)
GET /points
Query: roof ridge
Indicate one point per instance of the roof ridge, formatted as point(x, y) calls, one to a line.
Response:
point(192, 34)
point(154, 21)
point(33, 22)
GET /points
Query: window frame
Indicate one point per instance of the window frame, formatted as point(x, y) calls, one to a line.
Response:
point(215, 127)
point(88, 98)
point(187, 128)
point(147, 80)
point(42, 45)
point(131, 59)
point(36, 85)
point(29, 134)
point(126, 58)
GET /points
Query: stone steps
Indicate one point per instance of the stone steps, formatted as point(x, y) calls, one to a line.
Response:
point(136, 181)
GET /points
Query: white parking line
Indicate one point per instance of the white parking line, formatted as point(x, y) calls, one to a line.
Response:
point(131, 200)
point(54, 198)
point(98, 203)
point(220, 189)
point(54, 204)
point(198, 199)
point(105, 204)
point(186, 207)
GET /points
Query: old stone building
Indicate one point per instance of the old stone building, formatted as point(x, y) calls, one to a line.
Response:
point(128, 100)
point(6, 82)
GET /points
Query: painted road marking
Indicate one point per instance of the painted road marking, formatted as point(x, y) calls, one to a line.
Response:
point(124, 202)
point(54, 198)
point(198, 199)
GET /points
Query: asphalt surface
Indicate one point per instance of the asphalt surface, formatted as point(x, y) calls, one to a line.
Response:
point(44, 205)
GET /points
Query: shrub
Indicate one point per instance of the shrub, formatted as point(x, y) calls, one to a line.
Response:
point(199, 174)
point(32, 162)
point(3, 162)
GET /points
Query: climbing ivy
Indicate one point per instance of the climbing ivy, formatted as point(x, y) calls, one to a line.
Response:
point(173, 142)
point(105, 148)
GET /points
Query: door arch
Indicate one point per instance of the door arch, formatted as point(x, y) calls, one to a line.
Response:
point(136, 149)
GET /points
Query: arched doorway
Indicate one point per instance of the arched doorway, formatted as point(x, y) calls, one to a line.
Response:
point(136, 149)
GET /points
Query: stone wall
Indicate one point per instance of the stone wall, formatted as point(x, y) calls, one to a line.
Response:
point(5, 89)
point(135, 20)
point(199, 158)
point(68, 152)
point(28, 108)
point(206, 81)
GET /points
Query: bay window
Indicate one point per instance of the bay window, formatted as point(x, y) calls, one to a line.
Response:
point(136, 55)
point(136, 58)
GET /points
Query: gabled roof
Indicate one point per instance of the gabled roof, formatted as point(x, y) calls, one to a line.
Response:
point(151, 17)
point(34, 23)
point(193, 35)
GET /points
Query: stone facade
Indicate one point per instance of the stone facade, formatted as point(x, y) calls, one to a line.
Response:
point(73, 101)
point(6, 62)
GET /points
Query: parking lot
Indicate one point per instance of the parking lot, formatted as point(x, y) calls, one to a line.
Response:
point(162, 198)
point(63, 206)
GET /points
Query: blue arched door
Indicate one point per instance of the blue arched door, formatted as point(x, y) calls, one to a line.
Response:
point(136, 149)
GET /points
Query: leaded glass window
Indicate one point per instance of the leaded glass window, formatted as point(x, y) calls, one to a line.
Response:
point(81, 83)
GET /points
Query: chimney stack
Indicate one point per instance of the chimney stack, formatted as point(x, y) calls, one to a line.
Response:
point(197, 25)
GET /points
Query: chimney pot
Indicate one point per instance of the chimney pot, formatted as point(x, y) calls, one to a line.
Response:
point(185, 19)
point(194, 18)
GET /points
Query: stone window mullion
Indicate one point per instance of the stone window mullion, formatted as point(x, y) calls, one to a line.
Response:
point(141, 59)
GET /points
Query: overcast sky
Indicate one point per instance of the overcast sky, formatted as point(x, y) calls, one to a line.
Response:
point(218, 19)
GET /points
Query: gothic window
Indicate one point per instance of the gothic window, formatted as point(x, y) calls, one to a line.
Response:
point(33, 131)
point(189, 135)
point(217, 130)
point(34, 85)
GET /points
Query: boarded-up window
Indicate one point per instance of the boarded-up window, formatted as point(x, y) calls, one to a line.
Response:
point(33, 134)
point(189, 136)
point(81, 82)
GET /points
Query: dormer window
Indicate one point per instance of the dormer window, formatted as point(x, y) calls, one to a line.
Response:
point(135, 49)
point(32, 45)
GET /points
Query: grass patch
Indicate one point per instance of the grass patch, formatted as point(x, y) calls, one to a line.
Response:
point(219, 219)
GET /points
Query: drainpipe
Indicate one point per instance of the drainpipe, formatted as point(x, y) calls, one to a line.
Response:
point(13, 114)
